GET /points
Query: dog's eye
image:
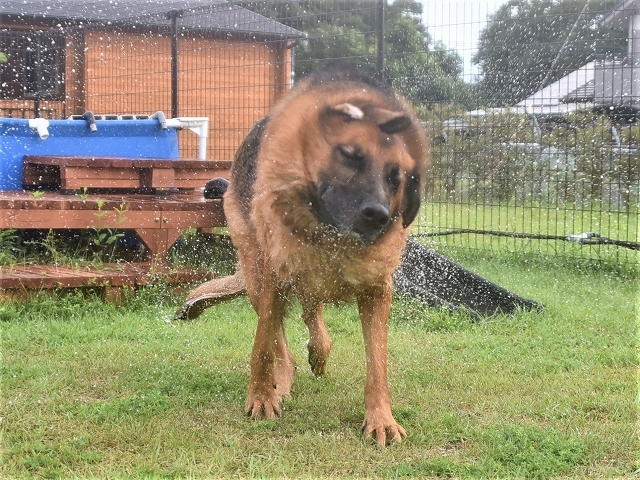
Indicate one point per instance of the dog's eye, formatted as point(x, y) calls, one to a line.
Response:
point(350, 153)
point(393, 178)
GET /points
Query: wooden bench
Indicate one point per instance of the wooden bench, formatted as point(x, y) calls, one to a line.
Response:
point(98, 173)
point(167, 199)
point(157, 219)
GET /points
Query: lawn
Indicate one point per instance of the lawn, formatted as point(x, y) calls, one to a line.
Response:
point(92, 390)
point(536, 220)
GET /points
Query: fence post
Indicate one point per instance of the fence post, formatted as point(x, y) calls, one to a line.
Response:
point(381, 13)
point(174, 62)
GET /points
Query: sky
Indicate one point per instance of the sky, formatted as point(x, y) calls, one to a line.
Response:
point(457, 23)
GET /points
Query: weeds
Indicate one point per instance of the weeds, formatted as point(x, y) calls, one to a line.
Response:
point(11, 246)
point(205, 250)
point(100, 244)
point(83, 194)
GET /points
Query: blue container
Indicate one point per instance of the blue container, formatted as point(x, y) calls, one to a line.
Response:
point(113, 138)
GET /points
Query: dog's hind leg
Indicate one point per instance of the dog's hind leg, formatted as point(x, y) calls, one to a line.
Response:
point(319, 344)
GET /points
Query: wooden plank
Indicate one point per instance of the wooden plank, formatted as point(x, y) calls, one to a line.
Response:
point(122, 162)
point(79, 160)
point(191, 183)
point(199, 174)
point(155, 163)
point(202, 219)
point(75, 173)
point(159, 178)
point(47, 277)
point(197, 178)
point(79, 219)
point(72, 178)
point(98, 174)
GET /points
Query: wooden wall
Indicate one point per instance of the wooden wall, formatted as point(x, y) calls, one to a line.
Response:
point(127, 73)
point(232, 82)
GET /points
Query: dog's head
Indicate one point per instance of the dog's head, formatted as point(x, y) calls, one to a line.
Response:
point(370, 169)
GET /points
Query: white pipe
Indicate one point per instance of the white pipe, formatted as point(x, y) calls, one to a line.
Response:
point(200, 126)
point(174, 123)
point(202, 148)
point(41, 125)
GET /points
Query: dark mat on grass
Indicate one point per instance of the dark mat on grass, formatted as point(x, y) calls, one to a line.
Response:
point(443, 284)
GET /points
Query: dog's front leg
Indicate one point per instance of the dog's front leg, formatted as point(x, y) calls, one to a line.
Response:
point(263, 399)
point(319, 344)
point(379, 424)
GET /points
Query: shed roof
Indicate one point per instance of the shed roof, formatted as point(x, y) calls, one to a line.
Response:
point(207, 15)
point(559, 97)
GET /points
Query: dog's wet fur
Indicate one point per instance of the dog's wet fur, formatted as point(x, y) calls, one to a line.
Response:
point(321, 195)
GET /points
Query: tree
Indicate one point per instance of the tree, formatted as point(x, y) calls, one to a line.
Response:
point(345, 30)
point(423, 71)
point(529, 44)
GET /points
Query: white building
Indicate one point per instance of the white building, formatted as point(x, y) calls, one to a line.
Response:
point(617, 81)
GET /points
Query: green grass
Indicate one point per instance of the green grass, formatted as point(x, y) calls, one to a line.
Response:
point(537, 220)
point(549, 219)
point(91, 390)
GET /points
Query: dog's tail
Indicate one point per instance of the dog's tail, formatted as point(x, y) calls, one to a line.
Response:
point(219, 289)
point(210, 293)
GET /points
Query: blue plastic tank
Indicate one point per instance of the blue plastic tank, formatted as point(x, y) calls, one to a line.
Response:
point(113, 138)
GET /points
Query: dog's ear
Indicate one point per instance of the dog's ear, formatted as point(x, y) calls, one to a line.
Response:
point(348, 110)
point(389, 121)
point(411, 199)
point(333, 117)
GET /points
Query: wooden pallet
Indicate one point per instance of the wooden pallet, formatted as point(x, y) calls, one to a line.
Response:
point(23, 281)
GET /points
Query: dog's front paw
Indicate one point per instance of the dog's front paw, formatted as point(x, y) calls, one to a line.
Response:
point(260, 406)
point(382, 428)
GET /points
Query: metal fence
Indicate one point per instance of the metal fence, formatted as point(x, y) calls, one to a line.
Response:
point(529, 106)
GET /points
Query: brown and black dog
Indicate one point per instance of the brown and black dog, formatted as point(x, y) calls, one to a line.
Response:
point(322, 192)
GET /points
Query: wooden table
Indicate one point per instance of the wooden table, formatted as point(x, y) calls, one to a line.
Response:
point(172, 200)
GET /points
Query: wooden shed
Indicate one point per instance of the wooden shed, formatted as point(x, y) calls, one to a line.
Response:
point(188, 58)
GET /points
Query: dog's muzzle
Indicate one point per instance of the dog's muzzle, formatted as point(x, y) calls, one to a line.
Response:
point(356, 216)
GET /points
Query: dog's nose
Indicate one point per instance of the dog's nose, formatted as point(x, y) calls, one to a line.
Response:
point(375, 214)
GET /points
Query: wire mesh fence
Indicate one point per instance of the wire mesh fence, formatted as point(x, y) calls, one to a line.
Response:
point(529, 105)
point(524, 157)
